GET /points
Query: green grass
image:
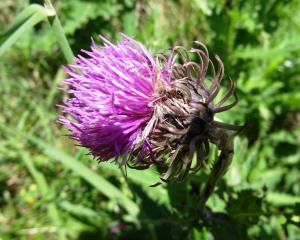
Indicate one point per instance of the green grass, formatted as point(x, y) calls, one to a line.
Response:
point(50, 189)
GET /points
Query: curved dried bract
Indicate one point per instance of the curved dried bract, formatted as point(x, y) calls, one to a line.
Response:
point(184, 113)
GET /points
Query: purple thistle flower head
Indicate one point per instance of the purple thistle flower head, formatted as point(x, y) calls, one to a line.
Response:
point(147, 110)
point(112, 91)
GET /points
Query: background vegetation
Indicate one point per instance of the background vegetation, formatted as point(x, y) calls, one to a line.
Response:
point(51, 190)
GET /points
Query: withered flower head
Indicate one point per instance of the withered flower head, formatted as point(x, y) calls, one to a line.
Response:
point(141, 110)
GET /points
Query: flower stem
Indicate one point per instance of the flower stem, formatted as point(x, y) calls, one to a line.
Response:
point(224, 142)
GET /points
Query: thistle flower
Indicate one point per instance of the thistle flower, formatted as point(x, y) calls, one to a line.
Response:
point(140, 110)
point(111, 92)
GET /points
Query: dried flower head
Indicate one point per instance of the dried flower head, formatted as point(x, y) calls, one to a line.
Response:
point(141, 110)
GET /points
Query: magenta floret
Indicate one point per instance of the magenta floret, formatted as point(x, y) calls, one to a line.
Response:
point(111, 89)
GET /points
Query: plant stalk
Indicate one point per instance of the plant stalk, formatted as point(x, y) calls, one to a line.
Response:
point(59, 33)
point(224, 140)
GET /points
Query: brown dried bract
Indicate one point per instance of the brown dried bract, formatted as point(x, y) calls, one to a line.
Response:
point(183, 121)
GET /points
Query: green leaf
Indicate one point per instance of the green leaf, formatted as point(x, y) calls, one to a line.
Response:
point(282, 199)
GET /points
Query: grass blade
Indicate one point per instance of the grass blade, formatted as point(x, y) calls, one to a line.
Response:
point(32, 21)
point(144, 179)
point(53, 89)
point(28, 18)
point(62, 40)
point(59, 33)
point(100, 183)
point(24, 16)
point(44, 190)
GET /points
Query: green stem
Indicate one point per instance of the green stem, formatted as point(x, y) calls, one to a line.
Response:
point(62, 40)
point(224, 140)
point(59, 33)
point(217, 172)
